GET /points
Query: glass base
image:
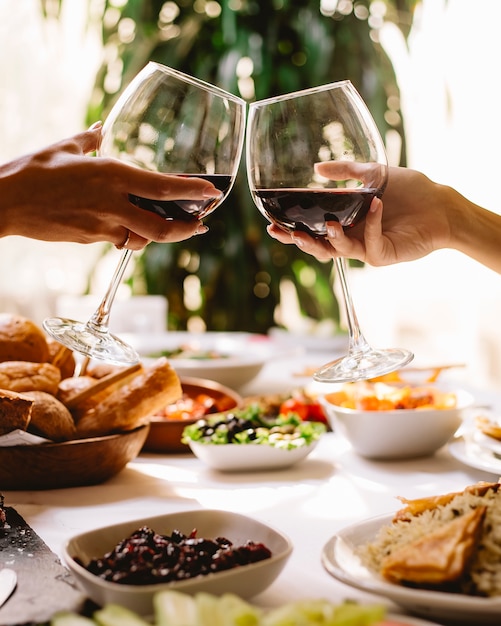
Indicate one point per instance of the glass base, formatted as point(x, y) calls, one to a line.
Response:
point(90, 342)
point(363, 365)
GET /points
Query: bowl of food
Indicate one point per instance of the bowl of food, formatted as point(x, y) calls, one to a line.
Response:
point(383, 421)
point(233, 553)
point(231, 359)
point(74, 463)
point(249, 439)
point(61, 429)
point(200, 399)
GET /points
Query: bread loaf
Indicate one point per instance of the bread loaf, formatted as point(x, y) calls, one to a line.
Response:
point(27, 376)
point(15, 411)
point(21, 340)
point(133, 403)
point(50, 418)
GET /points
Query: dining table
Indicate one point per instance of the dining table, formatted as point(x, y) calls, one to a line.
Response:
point(309, 502)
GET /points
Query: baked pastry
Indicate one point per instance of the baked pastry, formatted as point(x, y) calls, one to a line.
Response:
point(441, 556)
point(21, 339)
point(132, 403)
point(50, 418)
point(28, 376)
point(15, 411)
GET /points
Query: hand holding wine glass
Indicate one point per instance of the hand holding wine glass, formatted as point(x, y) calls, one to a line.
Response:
point(167, 122)
point(287, 137)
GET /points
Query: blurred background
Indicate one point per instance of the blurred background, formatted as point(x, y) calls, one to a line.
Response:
point(423, 67)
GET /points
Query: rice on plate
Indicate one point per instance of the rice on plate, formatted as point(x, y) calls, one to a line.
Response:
point(447, 543)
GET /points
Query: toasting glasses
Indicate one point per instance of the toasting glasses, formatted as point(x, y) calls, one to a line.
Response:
point(168, 122)
point(286, 136)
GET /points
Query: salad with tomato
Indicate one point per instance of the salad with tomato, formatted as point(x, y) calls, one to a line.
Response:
point(253, 425)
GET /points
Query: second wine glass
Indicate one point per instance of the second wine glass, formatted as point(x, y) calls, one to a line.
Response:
point(287, 136)
point(164, 121)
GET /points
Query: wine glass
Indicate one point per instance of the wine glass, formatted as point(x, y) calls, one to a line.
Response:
point(286, 137)
point(165, 121)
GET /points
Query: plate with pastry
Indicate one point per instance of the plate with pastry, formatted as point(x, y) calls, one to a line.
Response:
point(436, 557)
point(478, 443)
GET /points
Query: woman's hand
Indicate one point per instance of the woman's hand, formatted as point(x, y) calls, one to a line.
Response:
point(61, 194)
point(414, 221)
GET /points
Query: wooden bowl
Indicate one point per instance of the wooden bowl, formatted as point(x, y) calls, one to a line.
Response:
point(76, 463)
point(165, 433)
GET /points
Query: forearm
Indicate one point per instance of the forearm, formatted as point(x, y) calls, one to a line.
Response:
point(474, 231)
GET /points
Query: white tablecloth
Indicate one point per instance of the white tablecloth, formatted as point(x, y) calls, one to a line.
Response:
point(309, 502)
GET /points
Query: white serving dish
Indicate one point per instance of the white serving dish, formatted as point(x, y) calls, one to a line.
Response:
point(233, 457)
point(340, 559)
point(400, 433)
point(245, 354)
point(245, 581)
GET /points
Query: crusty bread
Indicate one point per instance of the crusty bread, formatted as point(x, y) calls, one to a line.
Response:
point(133, 403)
point(15, 411)
point(27, 376)
point(62, 357)
point(70, 387)
point(50, 418)
point(21, 340)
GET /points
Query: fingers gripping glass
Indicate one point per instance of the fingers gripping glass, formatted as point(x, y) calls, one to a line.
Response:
point(287, 137)
point(167, 122)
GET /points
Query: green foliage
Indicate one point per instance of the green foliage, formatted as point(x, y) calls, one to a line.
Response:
point(292, 46)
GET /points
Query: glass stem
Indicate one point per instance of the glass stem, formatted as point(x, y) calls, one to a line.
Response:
point(357, 342)
point(100, 318)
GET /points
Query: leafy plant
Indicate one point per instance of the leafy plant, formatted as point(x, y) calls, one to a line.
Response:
point(256, 50)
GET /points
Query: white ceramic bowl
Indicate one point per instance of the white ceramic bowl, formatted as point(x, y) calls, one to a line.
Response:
point(245, 581)
point(233, 457)
point(242, 355)
point(400, 433)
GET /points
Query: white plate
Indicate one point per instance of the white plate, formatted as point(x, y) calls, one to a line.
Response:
point(233, 457)
point(245, 581)
point(467, 451)
point(341, 561)
point(245, 354)
point(484, 441)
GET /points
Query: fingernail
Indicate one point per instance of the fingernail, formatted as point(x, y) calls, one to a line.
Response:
point(202, 228)
point(96, 125)
point(212, 192)
point(331, 231)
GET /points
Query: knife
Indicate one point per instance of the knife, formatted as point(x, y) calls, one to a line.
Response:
point(8, 582)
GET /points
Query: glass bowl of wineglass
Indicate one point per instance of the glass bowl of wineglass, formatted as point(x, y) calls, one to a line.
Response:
point(287, 136)
point(164, 121)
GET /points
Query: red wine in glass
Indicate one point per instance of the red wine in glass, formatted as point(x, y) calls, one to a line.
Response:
point(309, 209)
point(186, 210)
point(288, 137)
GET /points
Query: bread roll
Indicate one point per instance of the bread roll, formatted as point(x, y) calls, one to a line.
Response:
point(21, 340)
point(50, 418)
point(62, 357)
point(70, 387)
point(27, 376)
point(134, 403)
point(15, 411)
